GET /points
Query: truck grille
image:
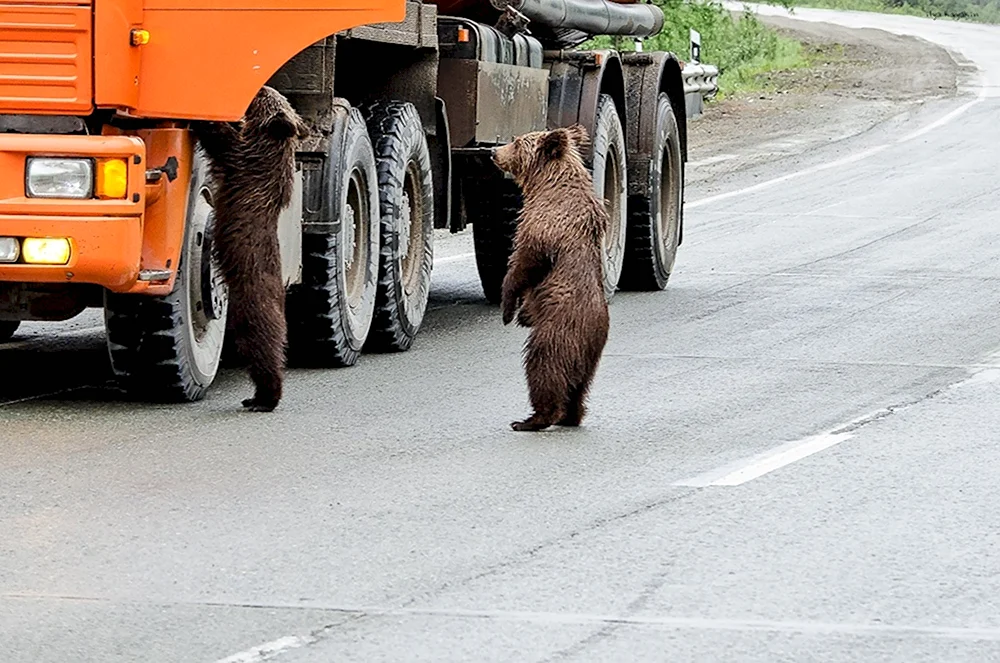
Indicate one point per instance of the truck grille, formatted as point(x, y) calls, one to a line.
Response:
point(45, 57)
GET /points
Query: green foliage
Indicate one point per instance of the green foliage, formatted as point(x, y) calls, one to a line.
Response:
point(742, 49)
point(981, 11)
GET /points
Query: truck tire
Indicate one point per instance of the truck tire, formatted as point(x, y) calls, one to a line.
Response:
point(654, 217)
point(406, 207)
point(167, 349)
point(611, 186)
point(493, 203)
point(7, 329)
point(330, 312)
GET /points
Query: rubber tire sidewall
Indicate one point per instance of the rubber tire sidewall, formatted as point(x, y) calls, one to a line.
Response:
point(650, 257)
point(7, 329)
point(144, 352)
point(608, 136)
point(358, 155)
point(204, 358)
point(398, 138)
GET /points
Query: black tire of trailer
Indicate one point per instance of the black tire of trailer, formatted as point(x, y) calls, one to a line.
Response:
point(167, 349)
point(406, 208)
point(654, 216)
point(7, 329)
point(611, 185)
point(330, 312)
point(493, 203)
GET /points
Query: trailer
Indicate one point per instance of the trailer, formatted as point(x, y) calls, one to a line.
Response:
point(106, 200)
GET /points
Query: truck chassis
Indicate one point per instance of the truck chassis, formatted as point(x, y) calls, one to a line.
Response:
point(404, 116)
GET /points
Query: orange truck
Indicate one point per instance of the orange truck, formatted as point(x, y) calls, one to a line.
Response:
point(105, 199)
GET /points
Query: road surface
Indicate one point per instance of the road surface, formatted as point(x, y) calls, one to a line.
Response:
point(791, 453)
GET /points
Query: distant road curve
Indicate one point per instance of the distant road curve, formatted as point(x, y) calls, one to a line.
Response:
point(977, 43)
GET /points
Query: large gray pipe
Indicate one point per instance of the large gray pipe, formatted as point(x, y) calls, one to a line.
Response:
point(595, 17)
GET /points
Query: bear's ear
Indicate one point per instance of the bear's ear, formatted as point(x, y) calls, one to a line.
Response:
point(554, 145)
point(286, 125)
point(578, 135)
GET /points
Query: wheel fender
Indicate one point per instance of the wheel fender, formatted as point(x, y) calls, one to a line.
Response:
point(575, 88)
point(323, 216)
point(646, 76)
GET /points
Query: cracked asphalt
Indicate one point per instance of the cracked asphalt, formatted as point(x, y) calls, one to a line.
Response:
point(832, 335)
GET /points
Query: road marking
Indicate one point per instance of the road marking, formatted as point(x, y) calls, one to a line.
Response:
point(749, 469)
point(940, 122)
point(816, 628)
point(784, 178)
point(937, 124)
point(459, 257)
point(267, 650)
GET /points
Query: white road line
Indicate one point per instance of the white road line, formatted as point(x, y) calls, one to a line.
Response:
point(267, 650)
point(950, 117)
point(815, 628)
point(937, 124)
point(748, 469)
point(751, 468)
point(457, 258)
point(784, 178)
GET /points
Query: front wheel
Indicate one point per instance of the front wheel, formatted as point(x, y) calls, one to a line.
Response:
point(168, 348)
point(654, 216)
point(610, 185)
point(7, 329)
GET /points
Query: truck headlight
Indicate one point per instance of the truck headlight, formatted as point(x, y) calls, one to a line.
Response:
point(46, 250)
point(10, 249)
point(47, 177)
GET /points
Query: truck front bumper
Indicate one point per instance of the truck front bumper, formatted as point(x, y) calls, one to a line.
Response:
point(105, 235)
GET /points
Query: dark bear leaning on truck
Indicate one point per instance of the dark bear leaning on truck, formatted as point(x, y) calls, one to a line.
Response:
point(554, 277)
point(253, 168)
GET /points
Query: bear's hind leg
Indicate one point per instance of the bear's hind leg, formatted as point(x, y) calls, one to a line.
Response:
point(258, 302)
point(547, 388)
point(576, 408)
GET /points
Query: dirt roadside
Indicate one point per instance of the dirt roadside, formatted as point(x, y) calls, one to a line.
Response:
point(856, 79)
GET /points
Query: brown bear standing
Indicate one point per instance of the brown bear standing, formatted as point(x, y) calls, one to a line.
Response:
point(555, 273)
point(253, 167)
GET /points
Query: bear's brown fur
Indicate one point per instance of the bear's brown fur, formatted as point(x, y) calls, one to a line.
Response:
point(253, 167)
point(554, 277)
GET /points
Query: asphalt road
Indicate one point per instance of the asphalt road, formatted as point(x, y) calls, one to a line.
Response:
point(791, 453)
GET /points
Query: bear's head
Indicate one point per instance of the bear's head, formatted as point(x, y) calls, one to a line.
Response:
point(270, 115)
point(533, 155)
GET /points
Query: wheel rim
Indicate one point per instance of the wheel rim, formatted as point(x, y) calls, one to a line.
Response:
point(411, 231)
point(666, 212)
point(356, 245)
point(613, 202)
point(208, 296)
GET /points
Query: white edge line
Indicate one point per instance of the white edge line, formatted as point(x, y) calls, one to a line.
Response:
point(784, 178)
point(937, 124)
point(266, 650)
point(774, 459)
point(973, 634)
point(459, 257)
point(940, 122)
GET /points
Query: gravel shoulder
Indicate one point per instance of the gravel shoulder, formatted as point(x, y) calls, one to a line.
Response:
point(855, 80)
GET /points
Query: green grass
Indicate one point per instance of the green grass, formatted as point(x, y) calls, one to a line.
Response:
point(980, 11)
point(743, 49)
